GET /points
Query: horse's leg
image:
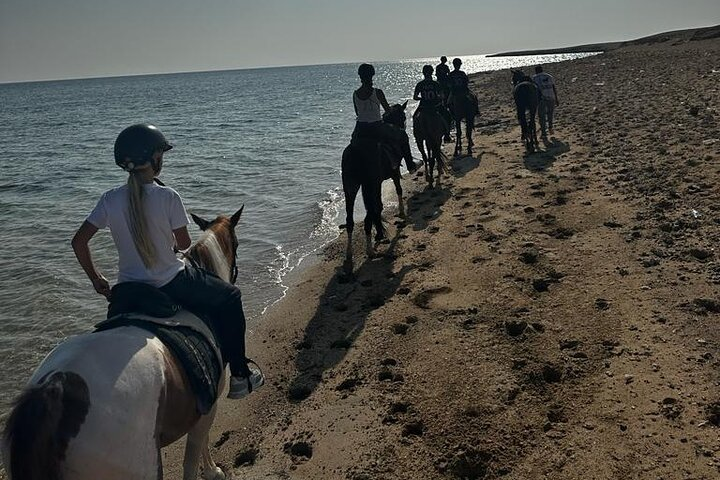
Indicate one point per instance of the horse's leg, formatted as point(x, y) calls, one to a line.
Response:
point(523, 124)
point(458, 136)
point(431, 167)
point(398, 190)
point(196, 448)
point(533, 130)
point(436, 160)
point(469, 127)
point(350, 187)
point(421, 147)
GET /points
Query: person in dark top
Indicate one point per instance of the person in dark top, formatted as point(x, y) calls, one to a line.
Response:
point(367, 101)
point(459, 83)
point(430, 94)
point(441, 73)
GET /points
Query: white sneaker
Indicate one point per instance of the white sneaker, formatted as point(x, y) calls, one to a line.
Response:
point(243, 386)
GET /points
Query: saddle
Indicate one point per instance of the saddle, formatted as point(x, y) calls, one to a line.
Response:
point(189, 337)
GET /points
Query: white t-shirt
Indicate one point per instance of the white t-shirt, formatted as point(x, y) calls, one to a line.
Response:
point(164, 212)
point(545, 83)
point(368, 110)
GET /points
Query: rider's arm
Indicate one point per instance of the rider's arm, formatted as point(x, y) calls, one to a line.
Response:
point(182, 238)
point(416, 95)
point(82, 251)
point(383, 101)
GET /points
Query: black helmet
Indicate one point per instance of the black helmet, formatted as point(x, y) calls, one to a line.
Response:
point(366, 70)
point(457, 62)
point(428, 70)
point(136, 145)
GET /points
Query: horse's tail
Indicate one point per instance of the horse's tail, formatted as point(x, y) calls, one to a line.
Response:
point(41, 424)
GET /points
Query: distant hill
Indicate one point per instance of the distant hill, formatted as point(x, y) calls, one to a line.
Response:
point(677, 36)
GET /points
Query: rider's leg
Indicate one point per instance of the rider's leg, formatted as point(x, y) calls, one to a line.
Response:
point(220, 303)
point(397, 136)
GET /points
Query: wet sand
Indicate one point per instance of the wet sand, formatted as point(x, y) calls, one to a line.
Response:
point(552, 315)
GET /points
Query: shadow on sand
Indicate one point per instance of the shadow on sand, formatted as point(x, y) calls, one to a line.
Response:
point(344, 307)
point(543, 159)
point(348, 300)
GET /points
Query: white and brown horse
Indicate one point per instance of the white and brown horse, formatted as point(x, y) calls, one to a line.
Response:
point(102, 405)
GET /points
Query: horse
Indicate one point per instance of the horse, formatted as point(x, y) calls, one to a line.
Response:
point(365, 164)
point(428, 130)
point(463, 107)
point(101, 405)
point(525, 93)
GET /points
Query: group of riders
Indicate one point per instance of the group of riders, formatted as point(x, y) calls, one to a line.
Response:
point(148, 221)
point(437, 97)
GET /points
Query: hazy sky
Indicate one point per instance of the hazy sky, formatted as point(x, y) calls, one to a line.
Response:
point(50, 39)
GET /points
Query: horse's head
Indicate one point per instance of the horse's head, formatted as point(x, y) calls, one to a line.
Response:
point(396, 115)
point(519, 76)
point(216, 251)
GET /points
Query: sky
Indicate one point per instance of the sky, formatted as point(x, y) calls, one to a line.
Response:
point(58, 39)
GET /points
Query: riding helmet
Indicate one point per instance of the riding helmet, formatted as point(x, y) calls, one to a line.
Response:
point(457, 62)
point(428, 70)
point(366, 70)
point(136, 145)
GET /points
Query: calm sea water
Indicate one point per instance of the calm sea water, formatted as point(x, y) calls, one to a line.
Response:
point(267, 138)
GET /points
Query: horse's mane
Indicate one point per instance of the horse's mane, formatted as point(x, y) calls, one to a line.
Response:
point(208, 253)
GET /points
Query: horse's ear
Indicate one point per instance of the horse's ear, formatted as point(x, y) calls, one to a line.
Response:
point(200, 222)
point(236, 217)
point(404, 105)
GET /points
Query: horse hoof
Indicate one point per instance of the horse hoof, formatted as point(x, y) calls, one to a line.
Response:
point(217, 474)
point(348, 266)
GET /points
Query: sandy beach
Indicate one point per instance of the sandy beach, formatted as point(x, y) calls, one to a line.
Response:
point(545, 316)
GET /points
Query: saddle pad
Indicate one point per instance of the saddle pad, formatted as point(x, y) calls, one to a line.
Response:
point(192, 343)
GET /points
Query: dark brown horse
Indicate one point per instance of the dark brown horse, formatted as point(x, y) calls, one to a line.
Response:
point(365, 164)
point(525, 94)
point(463, 107)
point(428, 130)
point(102, 405)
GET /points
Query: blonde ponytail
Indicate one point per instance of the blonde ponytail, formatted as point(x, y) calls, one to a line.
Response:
point(138, 222)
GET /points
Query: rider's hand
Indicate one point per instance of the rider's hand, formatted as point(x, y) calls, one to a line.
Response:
point(101, 286)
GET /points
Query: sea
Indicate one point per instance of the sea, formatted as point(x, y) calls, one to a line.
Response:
point(267, 138)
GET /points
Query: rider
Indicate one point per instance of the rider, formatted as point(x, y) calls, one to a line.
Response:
point(460, 84)
point(441, 73)
point(367, 101)
point(148, 223)
point(429, 92)
point(458, 81)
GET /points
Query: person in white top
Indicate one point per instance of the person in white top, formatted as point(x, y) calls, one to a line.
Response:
point(367, 101)
point(148, 223)
point(548, 99)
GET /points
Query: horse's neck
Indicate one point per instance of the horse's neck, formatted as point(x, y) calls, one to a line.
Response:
point(208, 254)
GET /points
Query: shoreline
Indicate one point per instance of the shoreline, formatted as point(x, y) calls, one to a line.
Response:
point(538, 316)
point(529, 319)
point(692, 34)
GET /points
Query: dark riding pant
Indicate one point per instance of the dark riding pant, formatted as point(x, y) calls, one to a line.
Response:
point(219, 303)
point(386, 133)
